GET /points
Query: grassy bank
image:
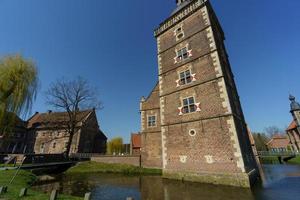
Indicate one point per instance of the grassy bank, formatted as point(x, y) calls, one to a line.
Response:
point(94, 167)
point(295, 160)
point(269, 160)
point(24, 179)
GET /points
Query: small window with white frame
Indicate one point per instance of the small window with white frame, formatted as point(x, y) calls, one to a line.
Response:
point(152, 121)
point(185, 77)
point(182, 54)
point(189, 105)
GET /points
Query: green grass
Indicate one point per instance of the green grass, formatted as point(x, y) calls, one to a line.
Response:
point(95, 167)
point(295, 160)
point(6, 165)
point(269, 160)
point(22, 180)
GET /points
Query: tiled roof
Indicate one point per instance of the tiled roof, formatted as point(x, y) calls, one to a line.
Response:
point(278, 141)
point(52, 119)
point(292, 126)
point(136, 140)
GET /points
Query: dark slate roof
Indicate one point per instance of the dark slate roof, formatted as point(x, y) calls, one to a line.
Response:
point(294, 104)
point(179, 7)
point(52, 119)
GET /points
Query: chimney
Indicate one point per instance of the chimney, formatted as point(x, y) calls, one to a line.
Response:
point(49, 111)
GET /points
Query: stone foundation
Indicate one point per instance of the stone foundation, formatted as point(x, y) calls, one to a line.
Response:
point(244, 180)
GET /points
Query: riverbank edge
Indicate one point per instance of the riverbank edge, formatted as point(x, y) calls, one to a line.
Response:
point(25, 179)
point(274, 159)
point(98, 167)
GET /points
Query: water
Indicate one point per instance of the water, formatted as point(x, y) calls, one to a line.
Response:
point(280, 182)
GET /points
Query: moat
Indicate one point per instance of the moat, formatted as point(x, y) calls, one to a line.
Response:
point(280, 182)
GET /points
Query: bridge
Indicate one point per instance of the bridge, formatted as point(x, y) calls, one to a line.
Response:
point(283, 156)
point(38, 163)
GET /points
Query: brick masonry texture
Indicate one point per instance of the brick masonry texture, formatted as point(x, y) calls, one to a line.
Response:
point(219, 151)
point(151, 136)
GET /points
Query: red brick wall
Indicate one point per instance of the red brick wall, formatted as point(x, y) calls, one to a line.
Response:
point(151, 136)
point(221, 144)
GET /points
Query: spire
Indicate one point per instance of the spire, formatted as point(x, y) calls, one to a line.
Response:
point(180, 5)
point(294, 104)
point(179, 2)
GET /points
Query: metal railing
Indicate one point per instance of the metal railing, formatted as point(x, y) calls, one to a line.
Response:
point(275, 153)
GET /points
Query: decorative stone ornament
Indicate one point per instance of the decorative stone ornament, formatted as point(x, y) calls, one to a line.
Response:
point(183, 159)
point(198, 107)
point(192, 132)
point(209, 159)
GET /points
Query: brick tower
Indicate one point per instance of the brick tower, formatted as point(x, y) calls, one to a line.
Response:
point(195, 105)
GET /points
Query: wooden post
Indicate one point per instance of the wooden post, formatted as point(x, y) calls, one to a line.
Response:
point(87, 196)
point(53, 195)
point(3, 189)
point(23, 192)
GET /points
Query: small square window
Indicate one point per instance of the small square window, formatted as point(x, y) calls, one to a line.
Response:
point(185, 77)
point(188, 105)
point(179, 33)
point(151, 121)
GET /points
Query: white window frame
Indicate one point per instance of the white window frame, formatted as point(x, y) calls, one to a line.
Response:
point(153, 122)
point(191, 106)
point(183, 53)
point(185, 79)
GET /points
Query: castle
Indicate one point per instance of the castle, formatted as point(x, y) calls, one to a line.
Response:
point(192, 124)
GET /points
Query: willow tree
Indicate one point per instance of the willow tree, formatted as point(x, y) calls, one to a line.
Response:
point(18, 88)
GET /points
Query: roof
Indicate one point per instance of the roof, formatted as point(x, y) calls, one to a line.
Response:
point(102, 135)
point(294, 104)
point(278, 141)
point(181, 5)
point(292, 126)
point(136, 140)
point(52, 119)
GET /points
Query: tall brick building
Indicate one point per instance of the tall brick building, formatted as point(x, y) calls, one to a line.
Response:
point(192, 123)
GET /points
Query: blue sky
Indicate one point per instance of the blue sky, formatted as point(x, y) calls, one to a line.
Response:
point(111, 44)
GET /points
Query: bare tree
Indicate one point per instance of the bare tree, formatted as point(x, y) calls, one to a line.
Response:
point(273, 130)
point(71, 96)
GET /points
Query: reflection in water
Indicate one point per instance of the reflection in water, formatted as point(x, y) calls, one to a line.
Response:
point(282, 182)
